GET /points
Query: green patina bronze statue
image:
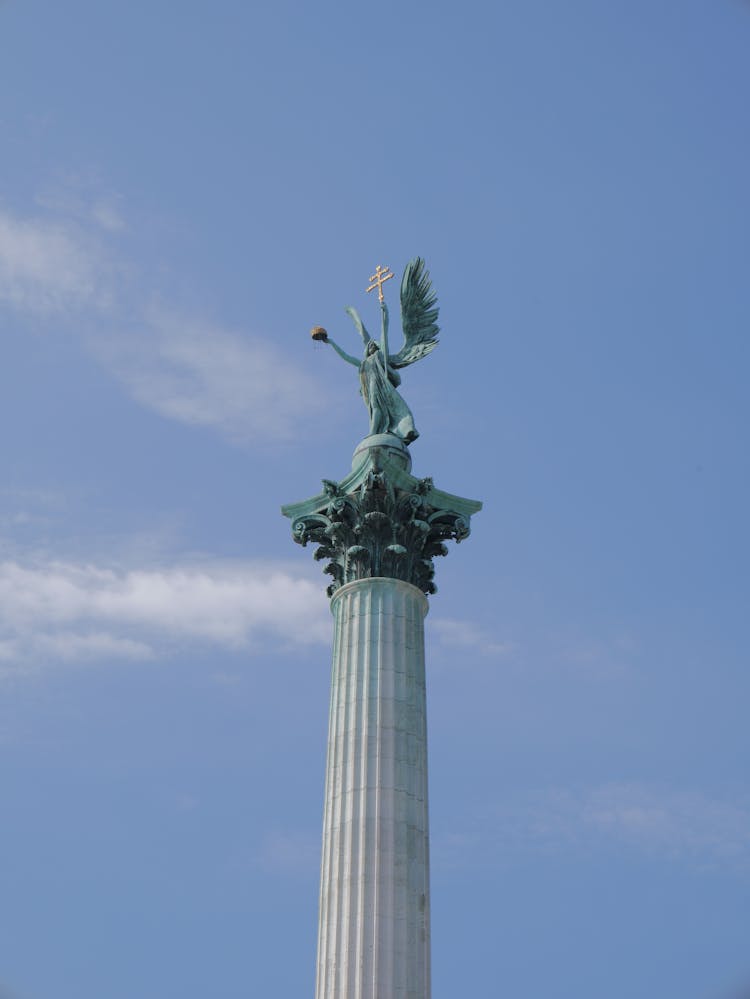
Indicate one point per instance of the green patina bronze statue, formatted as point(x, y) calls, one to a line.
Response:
point(380, 520)
point(378, 369)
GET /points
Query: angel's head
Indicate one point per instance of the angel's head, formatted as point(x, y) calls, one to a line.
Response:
point(372, 346)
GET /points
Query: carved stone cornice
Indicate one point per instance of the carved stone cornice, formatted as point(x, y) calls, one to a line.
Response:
point(381, 520)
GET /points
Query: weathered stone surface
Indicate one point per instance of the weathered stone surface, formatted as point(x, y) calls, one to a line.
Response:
point(374, 928)
point(378, 531)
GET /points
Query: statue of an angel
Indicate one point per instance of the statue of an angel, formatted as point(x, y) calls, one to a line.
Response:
point(378, 369)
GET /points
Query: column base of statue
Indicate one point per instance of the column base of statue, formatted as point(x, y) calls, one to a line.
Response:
point(374, 923)
point(377, 532)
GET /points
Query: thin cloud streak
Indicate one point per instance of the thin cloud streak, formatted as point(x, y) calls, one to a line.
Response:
point(681, 826)
point(202, 375)
point(83, 200)
point(293, 854)
point(469, 637)
point(190, 371)
point(62, 611)
point(67, 646)
point(47, 267)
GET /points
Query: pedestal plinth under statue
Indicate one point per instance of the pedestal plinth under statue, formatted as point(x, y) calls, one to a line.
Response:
point(378, 530)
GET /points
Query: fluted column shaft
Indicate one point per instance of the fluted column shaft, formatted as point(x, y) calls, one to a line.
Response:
point(374, 922)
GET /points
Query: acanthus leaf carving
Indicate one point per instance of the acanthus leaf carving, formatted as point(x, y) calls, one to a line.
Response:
point(390, 525)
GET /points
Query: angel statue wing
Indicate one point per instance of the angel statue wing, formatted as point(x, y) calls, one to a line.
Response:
point(419, 312)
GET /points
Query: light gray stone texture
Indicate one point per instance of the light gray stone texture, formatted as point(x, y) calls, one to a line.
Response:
point(374, 920)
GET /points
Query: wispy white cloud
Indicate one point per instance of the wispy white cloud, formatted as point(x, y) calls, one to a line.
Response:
point(195, 372)
point(461, 634)
point(83, 199)
point(106, 213)
point(63, 611)
point(681, 824)
point(201, 374)
point(49, 267)
point(70, 646)
point(685, 826)
point(22, 509)
point(291, 853)
point(608, 657)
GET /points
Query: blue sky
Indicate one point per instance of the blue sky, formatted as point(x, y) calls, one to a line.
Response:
point(187, 189)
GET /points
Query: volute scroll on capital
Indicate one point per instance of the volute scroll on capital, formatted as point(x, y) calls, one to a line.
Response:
point(381, 522)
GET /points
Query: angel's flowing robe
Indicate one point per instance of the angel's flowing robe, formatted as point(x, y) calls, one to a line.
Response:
point(389, 414)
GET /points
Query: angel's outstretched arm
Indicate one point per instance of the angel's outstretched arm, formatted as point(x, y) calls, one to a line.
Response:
point(359, 324)
point(342, 353)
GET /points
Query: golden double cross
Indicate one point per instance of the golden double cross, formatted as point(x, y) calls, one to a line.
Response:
point(378, 279)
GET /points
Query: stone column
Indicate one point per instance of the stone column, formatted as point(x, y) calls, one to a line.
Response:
point(374, 936)
point(377, 531)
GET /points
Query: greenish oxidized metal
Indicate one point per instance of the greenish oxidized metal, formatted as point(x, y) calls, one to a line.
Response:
point(378, 370)
point(381, 521)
